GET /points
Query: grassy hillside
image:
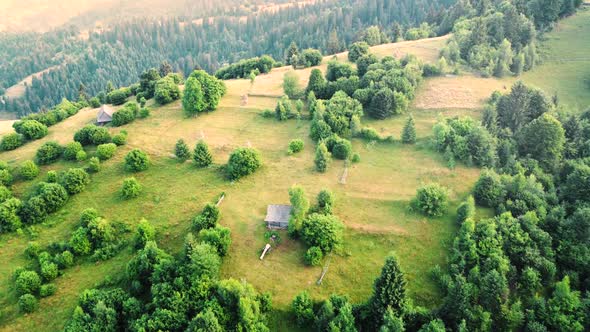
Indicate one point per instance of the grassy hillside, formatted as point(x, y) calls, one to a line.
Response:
point(566, 64)
point(373, 203)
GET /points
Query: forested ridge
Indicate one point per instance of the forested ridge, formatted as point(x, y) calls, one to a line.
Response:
point(123, 51)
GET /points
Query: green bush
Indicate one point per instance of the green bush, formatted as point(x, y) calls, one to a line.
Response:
point(48, 270)
point(27, 303)
point(5, 194)
point(356, 158)
point(29, 170)
point(431, 199)
point(144, 112)
point(64, 260)
point(81, 155)
point(71, 149)
point(51, 177)
point(93, 165)
point(322, 158)
point(131, 188)
point(54, 196)
point(136, 161)
point(218, 237)
point(466, 210)
point(32, 129)
point(145, 232)
point(166, 91)
point(5, 177)
point(33, 249)
point(34, 210)
point(295, 146)
point(357, 50)
point(94, 102)
point(201, 155)
point(313, 256)
point(488, 191)
point(11, 141)
point(92, 134)
point(342, 149)
point(74, 180)
point(118, 97)
point(47, 290)
point(27, 282)
point(208, 218)
point(106, 151)
point(120, 139)
point(48, 153)
point(242, 162)
point(123, 116)
point(323, 231)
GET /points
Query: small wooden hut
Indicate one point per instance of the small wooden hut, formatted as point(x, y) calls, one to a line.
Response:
point(277, 216)
point(105, 115)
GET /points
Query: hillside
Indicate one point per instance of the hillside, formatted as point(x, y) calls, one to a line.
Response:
point(540, 225)
point(372, 203)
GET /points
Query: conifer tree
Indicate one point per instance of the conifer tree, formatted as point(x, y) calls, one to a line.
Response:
point(389, 291)
point(292, 51)
point(181, 150)
point(409, 132)
point(322, 158)
point(201, 155)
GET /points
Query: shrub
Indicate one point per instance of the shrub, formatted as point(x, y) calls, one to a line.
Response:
point(94, 102)
point(65, 259)
point(74, 180)
point(48, 271)
point(313, 256)
point(32, 129)
point(295, 146)
point(33, 249)
point(131, 188)
point(242, 162)
point(144, 112)
point(81, 155)
point(181, 150)
point(145, 232)
point(323, 231)
point(208, 218)
point(409, 132)
point(123, 116)
point(466, 210)
point(136, 161)
point(27, 282)
point(431, 200)
point(47, 290)
point(218, 237)
point(5, 177)
point(201, 155)
point(93, 165)
point(54, 196)
point(118, 97)
point(356, 158)
point(51, 177)
point(27, 303)
point(71, 149)
point(11, 141)
point(92, 134)
point(369, 134)
point(325, 200)
point(34, 210)
point(120, 139)
point(106, 151)
point(79, 242)
point(342, 149)
point(166, 91)
point(29, 170)
point(48, 153)
point(322, 158)
point(302, 307)
point(5, 194)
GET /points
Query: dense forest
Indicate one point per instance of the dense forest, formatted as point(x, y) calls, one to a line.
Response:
point(123, 51)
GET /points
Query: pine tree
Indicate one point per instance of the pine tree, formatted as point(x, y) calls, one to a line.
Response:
point(201, 155)
point(389, 291)
point(392, 323)
point(333, 43)
point(409, 132)
point(292, 51)
point(181, 150)
point(322, 158)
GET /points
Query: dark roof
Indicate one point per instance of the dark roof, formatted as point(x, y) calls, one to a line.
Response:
point(105, 114)
point(278, 213)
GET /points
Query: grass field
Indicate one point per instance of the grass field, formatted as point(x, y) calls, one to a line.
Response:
point(566, 62)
